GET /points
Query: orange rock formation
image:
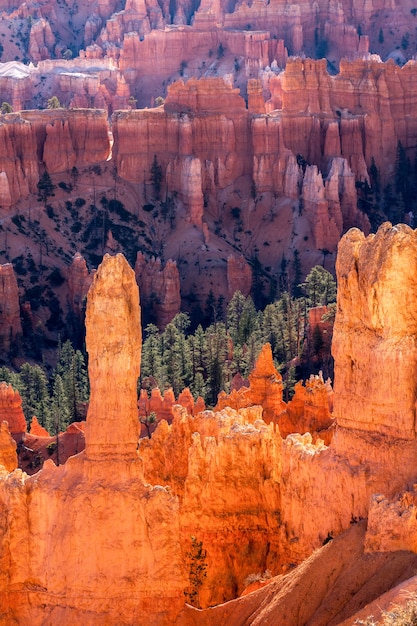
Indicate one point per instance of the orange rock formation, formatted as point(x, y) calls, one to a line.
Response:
point(11, 409)
point(118, 525)
point(255, 500)
point(8, 457)
point(79, 282)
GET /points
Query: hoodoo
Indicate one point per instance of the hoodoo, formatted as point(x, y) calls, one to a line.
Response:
point(90, 532)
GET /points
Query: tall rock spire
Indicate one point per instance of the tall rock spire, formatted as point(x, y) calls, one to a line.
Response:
point(113, 341)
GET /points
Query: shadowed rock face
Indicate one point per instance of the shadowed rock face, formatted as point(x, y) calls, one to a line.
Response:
point(10, 324)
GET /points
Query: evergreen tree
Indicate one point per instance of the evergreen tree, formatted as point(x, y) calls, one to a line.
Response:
point(296, 288)
point(210, 308)
point(33, 389)
point(45, 187)
point(60, 411)
point(156, 177)
point(319, 286)
point(53, 103)
point(234, 315)
point(151, 360)
point(217, 342)
point(176, 358)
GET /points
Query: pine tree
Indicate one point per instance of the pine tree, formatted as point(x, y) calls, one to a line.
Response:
point(34, 393)
point(45, 187)
point(319, 286)
point(151, 361)
point(60, 411)
point(156, 177)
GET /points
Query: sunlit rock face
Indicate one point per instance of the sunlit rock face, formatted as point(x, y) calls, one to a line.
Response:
point(80, 531)
point(255, 498)
point(374, 342)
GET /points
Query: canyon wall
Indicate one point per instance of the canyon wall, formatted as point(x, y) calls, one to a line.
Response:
point(60, 139)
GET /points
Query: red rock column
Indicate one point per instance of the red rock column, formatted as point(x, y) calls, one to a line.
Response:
point(113, 338)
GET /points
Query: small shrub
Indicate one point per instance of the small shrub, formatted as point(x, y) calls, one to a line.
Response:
point(51, 447)
point(79, 202)
point(63, 185)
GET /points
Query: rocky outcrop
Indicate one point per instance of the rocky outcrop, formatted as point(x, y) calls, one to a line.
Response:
point(239, 275)
point(208, 461)
point(41, 40)
point(114, 359)
point(228, 478)
point(79, 282)
point(310, 410)
point(160, 287)
point(10, 324)
point(265, 389)
point(8, 457)
point(62, 138)
point(374, 332)
point(11, 409)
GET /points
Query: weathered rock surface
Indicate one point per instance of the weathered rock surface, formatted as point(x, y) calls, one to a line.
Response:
point(265, 389)
point(239, 275)
point(310, 410)
point(234, 483)
point(159, 286)
point(99, 494)
point(375, 332)
point(10, 324)
point(11, 409)
point(8, 457)
point(62, 139)
point(79, 282)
